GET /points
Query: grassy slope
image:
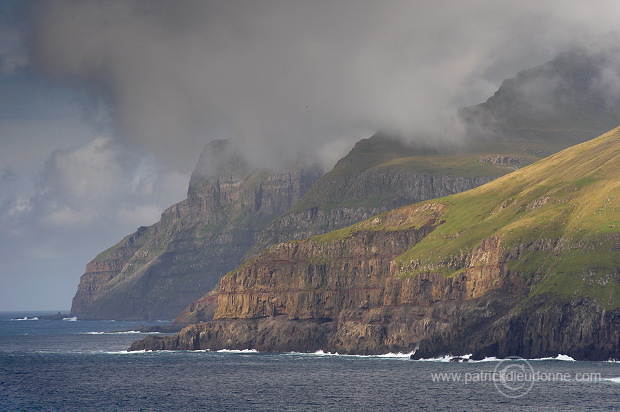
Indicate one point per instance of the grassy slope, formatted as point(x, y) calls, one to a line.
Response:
point(569, 203)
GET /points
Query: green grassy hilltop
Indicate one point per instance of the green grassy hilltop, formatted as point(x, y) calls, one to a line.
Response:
point(558, 220)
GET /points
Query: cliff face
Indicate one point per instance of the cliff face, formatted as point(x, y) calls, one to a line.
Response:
point(157, 271)
point(526, 265)
point(343, 294)
point(321, 277)
point(227, 215)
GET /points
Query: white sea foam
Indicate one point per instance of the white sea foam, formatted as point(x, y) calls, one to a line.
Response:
point(320, 352)
point(237, 351)
point(395, 355)
point(73, 319)
point(126, 332)
point(26, 318)
point(447, 358)
point(560, 357)
point(614, 380)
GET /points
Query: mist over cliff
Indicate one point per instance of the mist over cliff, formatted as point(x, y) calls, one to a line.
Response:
point(281, 78)
point(105, 105)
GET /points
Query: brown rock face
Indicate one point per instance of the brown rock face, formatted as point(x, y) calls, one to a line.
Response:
point(201, 310)
point(339, 292)
point(313, 280)
point(325, 280)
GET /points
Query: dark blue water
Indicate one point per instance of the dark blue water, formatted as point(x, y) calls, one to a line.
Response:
point(66, 365)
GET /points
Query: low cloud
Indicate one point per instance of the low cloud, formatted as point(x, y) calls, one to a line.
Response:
point(288, 77)
point(83, 201)
point(101, 181)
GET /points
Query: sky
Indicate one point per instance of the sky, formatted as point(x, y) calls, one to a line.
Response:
point(106, 105)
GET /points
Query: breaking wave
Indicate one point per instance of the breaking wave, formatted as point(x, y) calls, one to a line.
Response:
point(448, 358)
point(320, 352)
point(26, 318)
point(124, 352)
point(559, 357)
point(73, 319)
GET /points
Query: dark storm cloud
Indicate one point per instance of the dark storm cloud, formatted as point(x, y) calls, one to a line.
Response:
point(280, 77)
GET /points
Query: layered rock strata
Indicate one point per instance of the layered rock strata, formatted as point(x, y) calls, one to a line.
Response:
point(346, 297)
point(512, 268)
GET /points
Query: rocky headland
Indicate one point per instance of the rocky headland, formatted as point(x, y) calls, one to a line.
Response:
point(159, 270)
point(526, 265)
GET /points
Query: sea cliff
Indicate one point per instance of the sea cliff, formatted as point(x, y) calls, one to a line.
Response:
point(526, 265)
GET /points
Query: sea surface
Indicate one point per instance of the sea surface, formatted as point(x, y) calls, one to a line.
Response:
point(72, 365)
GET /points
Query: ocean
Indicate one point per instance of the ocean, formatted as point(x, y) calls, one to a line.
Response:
point(73, 365)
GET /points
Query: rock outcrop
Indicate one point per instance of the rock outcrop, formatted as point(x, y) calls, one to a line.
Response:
point(159, 270)
point(478, 272)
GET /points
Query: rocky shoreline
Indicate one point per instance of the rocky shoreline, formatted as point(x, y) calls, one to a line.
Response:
point(528, 335)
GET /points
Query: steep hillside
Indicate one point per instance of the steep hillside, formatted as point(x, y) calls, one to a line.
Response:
point(526, 265)
point(380, 174)
point(159, 270)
